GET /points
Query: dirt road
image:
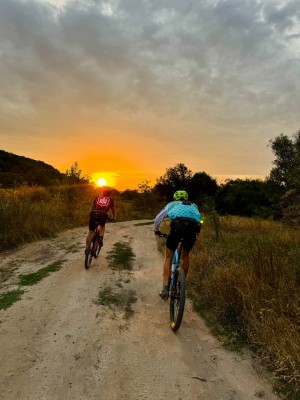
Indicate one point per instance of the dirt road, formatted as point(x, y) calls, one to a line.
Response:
point(59, 342)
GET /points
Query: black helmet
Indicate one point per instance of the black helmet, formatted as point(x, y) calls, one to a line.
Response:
point(107, 192)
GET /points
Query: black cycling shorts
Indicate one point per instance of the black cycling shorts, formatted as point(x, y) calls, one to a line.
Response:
point(182, 229)
point(97, 217)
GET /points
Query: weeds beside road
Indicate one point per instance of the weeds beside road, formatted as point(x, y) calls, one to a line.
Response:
point(245, 281)
point(32, 213)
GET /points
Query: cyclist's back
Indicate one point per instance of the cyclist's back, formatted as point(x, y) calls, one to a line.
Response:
point(185, 225)
point(99, 214)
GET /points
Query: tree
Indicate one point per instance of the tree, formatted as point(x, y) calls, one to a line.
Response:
point(202, 188)
point(286, 171)
point(144, 186)
point(74, 176)
point(250, 198)
point(175, 178)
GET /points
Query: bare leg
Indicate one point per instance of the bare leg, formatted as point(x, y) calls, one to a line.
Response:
point(101, 230)
point(167, 266)
point(88, 238)
point(185, 261)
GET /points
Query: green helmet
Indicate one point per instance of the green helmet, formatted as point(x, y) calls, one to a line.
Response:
point(180, 195)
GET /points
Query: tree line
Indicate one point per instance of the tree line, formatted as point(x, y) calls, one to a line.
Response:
point(18, 170)
point(276, 197)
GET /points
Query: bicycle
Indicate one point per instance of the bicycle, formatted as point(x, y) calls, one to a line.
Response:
point(177, 288)
point(94, 245)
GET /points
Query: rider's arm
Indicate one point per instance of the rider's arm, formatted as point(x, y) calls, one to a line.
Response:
point(93, 206)
point(163, 214)
point(112, 207)
point(113, 211)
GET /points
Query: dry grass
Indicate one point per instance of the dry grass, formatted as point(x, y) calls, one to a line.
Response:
point(245, 280)
point(28, 214)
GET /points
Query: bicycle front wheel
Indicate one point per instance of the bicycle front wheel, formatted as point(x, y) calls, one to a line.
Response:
point(88, 253)
point(98, 249)
point(177, 300)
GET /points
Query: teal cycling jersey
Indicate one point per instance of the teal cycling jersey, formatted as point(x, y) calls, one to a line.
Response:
point(183, 209)
point(178, 209)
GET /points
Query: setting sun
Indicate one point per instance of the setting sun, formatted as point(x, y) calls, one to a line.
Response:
point(104, 178)
point(101, 182)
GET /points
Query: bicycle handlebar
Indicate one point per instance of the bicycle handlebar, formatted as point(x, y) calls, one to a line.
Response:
point(160, 234)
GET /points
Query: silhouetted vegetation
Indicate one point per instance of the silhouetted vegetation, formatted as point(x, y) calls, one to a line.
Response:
point(175, 178)
point(250, 198)
point(17, 170)
point(201, 187)
point(286, 174)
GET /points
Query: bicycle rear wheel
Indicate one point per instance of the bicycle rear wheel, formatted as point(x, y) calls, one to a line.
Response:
point(88, 253)
point(177, 300)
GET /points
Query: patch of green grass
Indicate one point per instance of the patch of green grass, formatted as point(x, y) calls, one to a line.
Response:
point(294, 396)
point(35, 277)
point(9, 298)
point(144, 223)
point(118, 300)
point(106, 297)
point(73, 248)
point(129, 297)
point(121, 256)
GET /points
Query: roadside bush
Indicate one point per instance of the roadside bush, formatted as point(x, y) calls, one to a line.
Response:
point(246, 284)
point(31, 213)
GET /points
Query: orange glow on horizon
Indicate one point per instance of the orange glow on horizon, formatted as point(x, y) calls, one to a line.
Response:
point(104, 178)
point(101, 182)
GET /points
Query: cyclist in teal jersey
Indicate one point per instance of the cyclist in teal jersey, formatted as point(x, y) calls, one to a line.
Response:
point(185, 224)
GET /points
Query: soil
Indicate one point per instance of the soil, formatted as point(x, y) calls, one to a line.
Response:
point(59, 342)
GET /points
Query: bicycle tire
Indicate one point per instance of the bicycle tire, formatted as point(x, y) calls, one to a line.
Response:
point(177, 300)
point(98, 249)
point(88, 255)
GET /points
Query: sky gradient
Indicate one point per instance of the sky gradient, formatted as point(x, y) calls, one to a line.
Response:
point(129, 88)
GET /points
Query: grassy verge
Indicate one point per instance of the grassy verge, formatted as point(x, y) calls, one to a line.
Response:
point(46, 211)
point(144, 223)
point(121, 256)
point(35, 277)
point(9, 298)
point(245, 281)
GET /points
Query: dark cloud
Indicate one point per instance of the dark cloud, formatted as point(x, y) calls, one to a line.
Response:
point(224, 64)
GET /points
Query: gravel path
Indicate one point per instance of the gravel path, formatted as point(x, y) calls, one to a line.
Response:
point(58, 342)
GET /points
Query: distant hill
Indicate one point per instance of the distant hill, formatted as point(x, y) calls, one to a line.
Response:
point(17, 170)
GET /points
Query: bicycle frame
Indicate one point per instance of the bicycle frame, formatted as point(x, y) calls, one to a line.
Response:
point(175, 264)
point(177, 288)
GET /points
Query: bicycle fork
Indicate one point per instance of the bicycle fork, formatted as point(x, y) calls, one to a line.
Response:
point(175, 266)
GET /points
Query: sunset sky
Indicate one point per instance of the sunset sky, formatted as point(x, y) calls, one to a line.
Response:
point(129, 88)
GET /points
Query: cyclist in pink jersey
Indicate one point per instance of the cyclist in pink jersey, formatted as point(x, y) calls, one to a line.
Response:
point(99, 214)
